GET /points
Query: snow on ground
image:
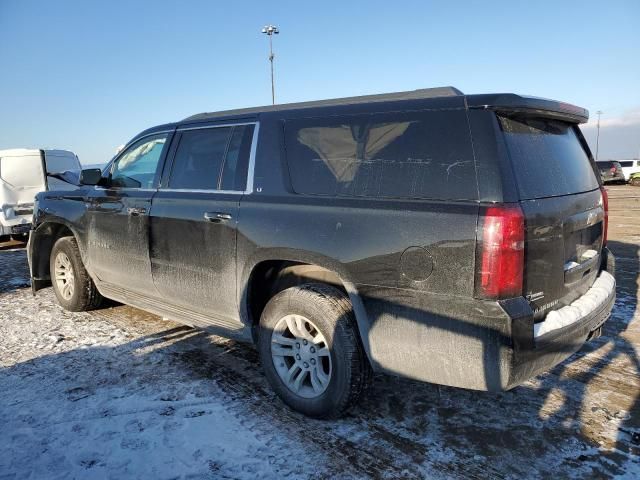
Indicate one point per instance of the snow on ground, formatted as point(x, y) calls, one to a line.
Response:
point(119, 393)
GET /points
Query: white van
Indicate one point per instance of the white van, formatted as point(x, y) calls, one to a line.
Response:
point(22, 176)
point(629, 167)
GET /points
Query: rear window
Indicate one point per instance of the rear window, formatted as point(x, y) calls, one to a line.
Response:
point(626, 164)
point(392, 155)
point(604, 165)
point(547, 157)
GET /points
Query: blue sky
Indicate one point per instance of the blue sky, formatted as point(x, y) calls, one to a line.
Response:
point(88, 75)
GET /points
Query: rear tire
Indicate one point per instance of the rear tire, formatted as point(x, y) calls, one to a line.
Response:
point(72, 284)
point(311, 351)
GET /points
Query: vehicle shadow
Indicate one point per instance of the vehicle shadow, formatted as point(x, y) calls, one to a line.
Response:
point(177, 401)
point(581, 419)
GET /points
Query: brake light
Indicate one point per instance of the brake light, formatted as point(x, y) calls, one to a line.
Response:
point(605, 222)
point(500, 252)
point(613, 170)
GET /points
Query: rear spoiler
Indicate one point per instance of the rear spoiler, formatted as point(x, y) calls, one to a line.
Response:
point(518, 104)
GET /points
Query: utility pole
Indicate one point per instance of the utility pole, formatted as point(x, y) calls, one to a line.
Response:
point(599, 112)
point(270, 31)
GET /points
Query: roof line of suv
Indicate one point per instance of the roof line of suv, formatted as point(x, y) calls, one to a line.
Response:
point(497, 101)
point(502, 102)
point(420, 94)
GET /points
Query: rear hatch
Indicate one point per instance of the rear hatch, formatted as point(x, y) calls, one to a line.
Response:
point(563, 208)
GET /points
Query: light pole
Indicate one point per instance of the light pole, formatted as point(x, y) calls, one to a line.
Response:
point(599, 112)
point(270, 31)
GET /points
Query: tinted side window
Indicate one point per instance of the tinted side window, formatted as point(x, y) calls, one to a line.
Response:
point(396, 155)
point(626, 164)
point(212, 159)
point(547, 157)
point(199, 158)
point(138, 165)
point(234, 173)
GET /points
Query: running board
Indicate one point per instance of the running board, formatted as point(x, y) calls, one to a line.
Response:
point(215, 324)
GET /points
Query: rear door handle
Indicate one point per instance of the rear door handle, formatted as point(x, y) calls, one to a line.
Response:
point(217, 217)
point(136, 211)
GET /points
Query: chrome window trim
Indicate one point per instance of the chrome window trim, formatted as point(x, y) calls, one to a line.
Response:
point(248, 189)
point(120, 189)
point(200, 190)
point(250, 167)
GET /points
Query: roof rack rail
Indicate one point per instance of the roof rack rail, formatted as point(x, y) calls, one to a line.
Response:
point(383, 97)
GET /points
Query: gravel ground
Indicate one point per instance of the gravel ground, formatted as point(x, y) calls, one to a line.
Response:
point(119, 393)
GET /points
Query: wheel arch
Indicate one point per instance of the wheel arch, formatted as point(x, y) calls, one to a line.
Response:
point(41, 243)
point(260, 275)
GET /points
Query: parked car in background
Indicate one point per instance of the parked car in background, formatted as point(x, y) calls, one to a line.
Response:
point(24, 173)
point(629, 167)
point(610, 171)
point(635, 179)
point(448, 238)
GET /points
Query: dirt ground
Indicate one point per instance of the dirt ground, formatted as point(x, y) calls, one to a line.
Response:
point(119, 393)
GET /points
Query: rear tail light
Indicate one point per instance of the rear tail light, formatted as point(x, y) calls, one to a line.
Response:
point(613, 170)
point(500, 252)
point(605, 222)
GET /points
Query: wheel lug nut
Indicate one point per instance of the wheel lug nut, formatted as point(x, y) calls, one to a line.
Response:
point(304, 341)
point(313, 350)
point(297, 345)
point(306, 365)
point(297, 357)
point(313, 361)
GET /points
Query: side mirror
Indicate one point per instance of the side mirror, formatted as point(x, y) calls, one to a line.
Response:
point(90, 176)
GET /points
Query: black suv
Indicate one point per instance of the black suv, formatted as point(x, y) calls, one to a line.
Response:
point(448, 238)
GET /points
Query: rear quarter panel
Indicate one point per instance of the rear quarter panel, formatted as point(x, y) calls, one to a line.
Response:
point(410, 263)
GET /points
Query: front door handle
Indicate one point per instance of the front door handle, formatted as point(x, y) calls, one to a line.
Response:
point(136, 211)
point(217, 217)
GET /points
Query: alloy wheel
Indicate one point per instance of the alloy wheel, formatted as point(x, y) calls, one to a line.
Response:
point(64, 276)
point(301, 356)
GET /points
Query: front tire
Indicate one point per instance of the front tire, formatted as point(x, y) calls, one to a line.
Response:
point(311, 352)
point(72, 284)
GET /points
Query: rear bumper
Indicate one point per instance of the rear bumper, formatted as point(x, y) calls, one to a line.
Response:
point(547, 350)
point(617, 178)
point(469, 343)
